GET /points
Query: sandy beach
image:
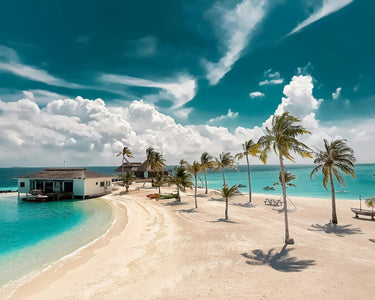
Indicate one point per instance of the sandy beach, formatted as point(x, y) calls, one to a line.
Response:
point(163, 250)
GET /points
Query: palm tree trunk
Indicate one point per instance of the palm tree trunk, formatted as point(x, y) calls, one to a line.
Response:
point(224, 177)
point(159, 190)
point(205, 180)
point(195, 192)
point(248, 174)
point(334, 215)
point(122, 166)
point(226, 208)
point(287, 239)
point(178, 194)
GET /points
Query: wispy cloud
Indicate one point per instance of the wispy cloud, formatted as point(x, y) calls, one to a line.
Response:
point(181, 91)
point(143, 47)
point(229, 115)
point(254, 95)
point(271, 78)
point(9, 62)
point(328, 7)
point(236, 26)
point(337, 93)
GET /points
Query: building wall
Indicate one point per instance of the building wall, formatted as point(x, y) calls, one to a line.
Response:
point(78, 187)
point(26, 188)
point(93, 186)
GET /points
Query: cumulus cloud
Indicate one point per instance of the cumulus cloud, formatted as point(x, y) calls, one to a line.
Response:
point(327, 7)
point(229, 115)
point(237, 26)
point(9, 62)
point(179, 92)
point(337, 93)
point(271, 78)
point(254, 95)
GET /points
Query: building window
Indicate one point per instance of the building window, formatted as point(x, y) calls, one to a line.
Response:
point(108, 183)
point(102, 183)
point(96, 183)
point(22, 184)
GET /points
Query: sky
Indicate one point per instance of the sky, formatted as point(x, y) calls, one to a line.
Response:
point(79, 80)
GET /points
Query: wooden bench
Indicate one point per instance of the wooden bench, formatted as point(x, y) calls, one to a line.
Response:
point(363, 212)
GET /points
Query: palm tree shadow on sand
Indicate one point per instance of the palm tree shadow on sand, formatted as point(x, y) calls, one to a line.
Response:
point(248, 205)
point(175, 203)
point(223, 220)
point(280, 261)
point(339, 230)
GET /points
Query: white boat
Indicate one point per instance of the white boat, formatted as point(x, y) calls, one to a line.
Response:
point(35, 196)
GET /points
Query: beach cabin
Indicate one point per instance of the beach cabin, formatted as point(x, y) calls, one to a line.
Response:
point(60, 183)
point(140, 170)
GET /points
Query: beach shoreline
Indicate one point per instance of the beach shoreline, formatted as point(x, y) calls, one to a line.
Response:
point(154, 223)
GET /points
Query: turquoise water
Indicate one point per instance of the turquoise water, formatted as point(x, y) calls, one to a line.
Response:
point(33, 235)
point(261, 176)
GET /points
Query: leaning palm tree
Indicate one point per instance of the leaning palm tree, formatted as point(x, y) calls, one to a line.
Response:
point(206, 163)
point(249, 148)
point(282, 138)
point(159, 181)
point(228, 193)
point(337, 156)
point(125, 154)
point(194, 169)
point(225, 160)
point(128, 179)
point(182, 179)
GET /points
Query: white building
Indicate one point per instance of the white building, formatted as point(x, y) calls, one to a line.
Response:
point(66, 182)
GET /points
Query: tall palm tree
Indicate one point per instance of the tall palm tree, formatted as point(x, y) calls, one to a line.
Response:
point(194, 169)
point(154, 159)
point(249, 148)
point(225, 160)
point(282, 139)
point(206, 163)
point(125, 154)
point(337, 156)
point(128, 179)
point(228, 193)
point(182, 179)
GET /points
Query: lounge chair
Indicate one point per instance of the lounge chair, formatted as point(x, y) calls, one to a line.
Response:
point(363, 212)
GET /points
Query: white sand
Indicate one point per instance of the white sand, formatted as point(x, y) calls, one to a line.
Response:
point(161, 251)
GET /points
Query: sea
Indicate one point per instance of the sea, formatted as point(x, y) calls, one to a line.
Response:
point(35, 235)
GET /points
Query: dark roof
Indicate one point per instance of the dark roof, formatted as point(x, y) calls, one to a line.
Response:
point(65, 173)
point(129, 167)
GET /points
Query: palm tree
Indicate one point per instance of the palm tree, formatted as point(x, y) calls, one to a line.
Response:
point(336, 157)
point(249, 148)
point(154, 160)
point(182, 179)
point(228, 193)
point(370, 202)
point(282, 138)
point(128, 179)
point(159, 181)
point(288, 178)
point(206, 163)
point(225, 160)
point(125, 154)
point(194, 169)
point(183, 162)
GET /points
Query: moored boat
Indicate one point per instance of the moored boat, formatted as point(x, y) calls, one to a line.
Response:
point(36, 196)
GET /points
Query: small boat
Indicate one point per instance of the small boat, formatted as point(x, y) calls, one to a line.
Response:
point(241, 185)
point(269, 188)
point(36, 196)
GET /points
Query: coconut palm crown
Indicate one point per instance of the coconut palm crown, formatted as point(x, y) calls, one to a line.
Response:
point(228, 193)
point(337, 156)
point(194, 169)
point(282, 139)
point(249, 148)
point(207, 162)
point(125, 154)
point(182, 179)
point(225, 160)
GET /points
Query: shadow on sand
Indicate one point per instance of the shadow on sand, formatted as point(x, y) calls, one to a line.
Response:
point(372, 240)
point(216, 199)
point(280, 261)
point(339, 230)
point(188, 211)
point(223, 220)
point(248, 205)
point(175, 203)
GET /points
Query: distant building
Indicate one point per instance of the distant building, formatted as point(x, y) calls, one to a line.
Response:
point(66, 182)
point(140, 170)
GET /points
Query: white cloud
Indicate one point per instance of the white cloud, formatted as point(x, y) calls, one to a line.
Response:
point(143, 47)
point(237, 26)
point(271, 78)
point(328, 7)
point(229, 115)
point(337, 93)
point(254, 95)
point(9, 62)
point(42, 96)
point(179, 92)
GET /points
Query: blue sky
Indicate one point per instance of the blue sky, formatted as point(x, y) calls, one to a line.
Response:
point(182, 76)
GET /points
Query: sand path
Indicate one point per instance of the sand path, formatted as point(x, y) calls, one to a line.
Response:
point(169, 251)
